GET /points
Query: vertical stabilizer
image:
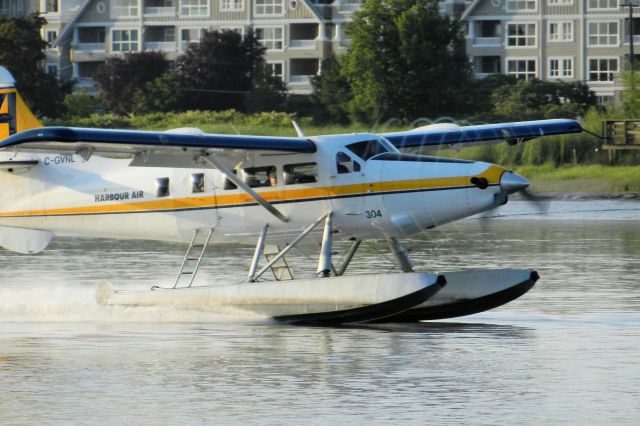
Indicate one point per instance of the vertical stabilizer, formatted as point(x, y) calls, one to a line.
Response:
point(15, 115)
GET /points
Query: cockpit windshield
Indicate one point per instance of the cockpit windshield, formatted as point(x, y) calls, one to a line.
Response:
point(367, 149)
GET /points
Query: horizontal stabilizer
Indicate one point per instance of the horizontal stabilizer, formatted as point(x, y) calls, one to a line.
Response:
point(463, 136)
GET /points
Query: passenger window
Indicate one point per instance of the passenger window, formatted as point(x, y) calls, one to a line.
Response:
point(162, 187)
point(197, 182)
point(367, 149)
point(260, 176)
point(228, 184)
point(300, 173)
point(346, 164)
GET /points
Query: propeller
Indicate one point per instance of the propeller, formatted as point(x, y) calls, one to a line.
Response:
point(512, 183)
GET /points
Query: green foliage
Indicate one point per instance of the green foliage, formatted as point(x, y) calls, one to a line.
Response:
point(220, 71)
point(159, 95)
point(82, 104)
point(119, 78)
point(631, 94)
point(20, 52)
point(406, 60)
point(332, 92)
point(269, 93)
point(536, 99)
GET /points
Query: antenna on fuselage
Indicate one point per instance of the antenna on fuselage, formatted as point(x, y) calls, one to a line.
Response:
point(298, 129)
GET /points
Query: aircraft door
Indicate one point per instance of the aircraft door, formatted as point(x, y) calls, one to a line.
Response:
point(347, 181)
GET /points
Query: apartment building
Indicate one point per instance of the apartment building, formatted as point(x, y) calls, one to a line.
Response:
point(566, 40)
point(298, 34)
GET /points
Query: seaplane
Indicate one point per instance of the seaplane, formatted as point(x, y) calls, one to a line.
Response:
point(276, 193)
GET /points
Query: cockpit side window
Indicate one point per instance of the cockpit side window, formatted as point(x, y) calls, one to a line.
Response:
point(367, 149)
point(345, 164)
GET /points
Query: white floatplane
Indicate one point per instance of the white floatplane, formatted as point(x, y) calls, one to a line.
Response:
point(275, 192)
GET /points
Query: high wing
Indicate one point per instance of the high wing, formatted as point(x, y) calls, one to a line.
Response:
point(189, 148)
point(176, 148)
point(456, 137)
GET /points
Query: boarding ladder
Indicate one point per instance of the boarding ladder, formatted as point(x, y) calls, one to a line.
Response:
point(193, 257)
point(280, 269)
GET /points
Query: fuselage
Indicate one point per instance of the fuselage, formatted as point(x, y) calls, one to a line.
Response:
point(373, 190)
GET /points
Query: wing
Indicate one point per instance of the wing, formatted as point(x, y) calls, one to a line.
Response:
point(188, 148)
point(179, 148)
point(452, 136)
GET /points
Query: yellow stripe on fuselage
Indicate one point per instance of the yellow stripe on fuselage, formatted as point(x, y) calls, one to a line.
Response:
point(492, 174)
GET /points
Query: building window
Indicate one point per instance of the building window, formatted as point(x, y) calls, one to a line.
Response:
point(560, 2)
point(522, 68)
point(51, 36)
point(276, 69)
point(271, 37)
point(194, 7)
point(488, 64)
point(602, 69)
point(561, 31)
point(560, 67)
point(521, 35)
point(124, 40)
point(122, 8)
point(269, 7)
point(51, 6)
point(603, 4)
point(52, 69)
point(519, 5)
point(603, 33)
point(231, 5)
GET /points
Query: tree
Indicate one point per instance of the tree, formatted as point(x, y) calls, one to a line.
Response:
point(119, 78)
point(631, 94)
point(159, 95)
point(331, 91)
point(220, 71)
point(536, 99)
point(82, 104)
point(269, 93)
point(21, 52)
point(406, 60)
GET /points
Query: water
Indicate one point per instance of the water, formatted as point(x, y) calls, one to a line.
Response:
point(566, 352)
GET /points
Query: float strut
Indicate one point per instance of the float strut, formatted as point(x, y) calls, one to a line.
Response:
point(324, 262)
point(352, 251)
point(285, 250)
point(401, 254)
point(257, 254)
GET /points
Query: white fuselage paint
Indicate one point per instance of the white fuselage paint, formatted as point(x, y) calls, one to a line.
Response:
point(70, 196)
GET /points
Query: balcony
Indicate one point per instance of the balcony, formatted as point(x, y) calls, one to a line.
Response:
point(302, 44)
point(89, 47)
point(163, 46)
point(159, 11)
point(349, 6)
point(487, 41)
point(300, 79)
point(636, 40)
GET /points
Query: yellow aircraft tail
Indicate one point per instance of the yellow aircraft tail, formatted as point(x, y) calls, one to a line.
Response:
point(15, 115)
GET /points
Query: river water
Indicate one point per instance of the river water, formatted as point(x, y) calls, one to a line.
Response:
point(566, 352)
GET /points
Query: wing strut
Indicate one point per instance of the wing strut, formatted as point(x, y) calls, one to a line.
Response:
point(240, 184)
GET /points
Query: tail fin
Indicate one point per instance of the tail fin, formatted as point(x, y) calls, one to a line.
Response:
point(15, 115)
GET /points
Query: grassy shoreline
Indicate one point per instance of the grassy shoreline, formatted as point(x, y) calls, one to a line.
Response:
point(583, 179)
